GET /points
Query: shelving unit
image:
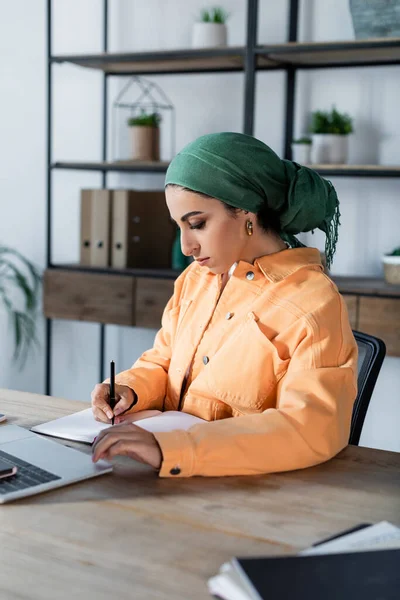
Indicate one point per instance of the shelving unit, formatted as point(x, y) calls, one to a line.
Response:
point(289, 57)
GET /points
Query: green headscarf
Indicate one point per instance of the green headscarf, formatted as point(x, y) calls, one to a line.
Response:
point(244, 172)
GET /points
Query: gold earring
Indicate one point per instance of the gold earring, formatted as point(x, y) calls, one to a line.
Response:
point(249, 227)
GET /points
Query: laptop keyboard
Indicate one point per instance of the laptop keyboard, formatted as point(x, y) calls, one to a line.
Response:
point(27, 475)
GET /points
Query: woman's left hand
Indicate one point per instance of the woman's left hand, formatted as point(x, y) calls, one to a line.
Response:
point(127, 440)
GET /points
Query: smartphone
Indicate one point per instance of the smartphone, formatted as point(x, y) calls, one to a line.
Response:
point(7, 470)
point(2, 417)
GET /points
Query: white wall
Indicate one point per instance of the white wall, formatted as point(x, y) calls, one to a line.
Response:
point(370, 210)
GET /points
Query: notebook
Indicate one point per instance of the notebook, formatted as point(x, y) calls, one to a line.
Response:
point(361, 565)
point(82, 426)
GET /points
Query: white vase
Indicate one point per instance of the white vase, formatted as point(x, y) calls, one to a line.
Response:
point(209, 35)
point(330, 149)
point(301, 153)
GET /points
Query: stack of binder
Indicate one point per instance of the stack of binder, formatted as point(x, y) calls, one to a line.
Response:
point(125, 229)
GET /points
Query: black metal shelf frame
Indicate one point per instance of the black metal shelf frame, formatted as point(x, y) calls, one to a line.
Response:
point(250, 54)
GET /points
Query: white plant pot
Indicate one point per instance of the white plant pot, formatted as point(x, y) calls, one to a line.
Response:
point(391, 268)
point(329, 149)
point(301, 153)
point(209, 35)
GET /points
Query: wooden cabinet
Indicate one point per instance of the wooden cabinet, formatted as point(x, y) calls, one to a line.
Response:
point(105, 298)
point(131, 300)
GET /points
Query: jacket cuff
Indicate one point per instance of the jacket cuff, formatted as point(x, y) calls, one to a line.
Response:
point(178, 453)
point(139, 397)
point(139, 391)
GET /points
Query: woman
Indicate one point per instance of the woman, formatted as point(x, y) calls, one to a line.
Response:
point(256, 338)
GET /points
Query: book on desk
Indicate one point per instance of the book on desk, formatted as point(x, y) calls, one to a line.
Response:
point(82, 426)
point(358, 565)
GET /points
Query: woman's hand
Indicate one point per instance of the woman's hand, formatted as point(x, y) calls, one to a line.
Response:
point(125, 400)
point(127, 440)
point(138, 416)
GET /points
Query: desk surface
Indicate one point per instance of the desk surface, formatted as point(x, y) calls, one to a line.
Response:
point(133, 535)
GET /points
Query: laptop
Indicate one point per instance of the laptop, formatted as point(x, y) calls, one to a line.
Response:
point(42, 464)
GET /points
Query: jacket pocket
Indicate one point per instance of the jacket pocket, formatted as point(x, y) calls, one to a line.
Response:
point(245, 371)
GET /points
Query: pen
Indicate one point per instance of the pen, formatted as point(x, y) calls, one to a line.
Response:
point(112, 388)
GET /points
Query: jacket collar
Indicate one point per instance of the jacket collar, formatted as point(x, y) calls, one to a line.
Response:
point(279, 265)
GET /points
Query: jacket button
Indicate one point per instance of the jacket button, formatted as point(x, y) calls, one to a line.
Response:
point(228, 316)
point(175, 471)
point(250, 275)
point(206, 360)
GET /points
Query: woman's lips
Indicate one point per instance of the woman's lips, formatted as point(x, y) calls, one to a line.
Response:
point(202, 261)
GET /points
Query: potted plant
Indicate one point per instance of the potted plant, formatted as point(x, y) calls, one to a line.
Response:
point(210, 30)
point(330, 131)
point(301, 150)
point(145, 136)
point(391, 266)
point(19, 284)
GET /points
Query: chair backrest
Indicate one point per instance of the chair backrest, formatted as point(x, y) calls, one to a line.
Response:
point(371, 352)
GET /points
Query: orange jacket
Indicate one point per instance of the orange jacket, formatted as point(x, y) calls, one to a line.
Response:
point(272, 364)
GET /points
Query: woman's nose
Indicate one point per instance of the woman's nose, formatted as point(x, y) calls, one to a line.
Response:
point(188, 244)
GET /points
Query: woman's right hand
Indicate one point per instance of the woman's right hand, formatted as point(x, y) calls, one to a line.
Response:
point(124, 397)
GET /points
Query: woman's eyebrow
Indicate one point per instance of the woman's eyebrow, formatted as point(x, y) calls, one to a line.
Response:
point(191, 214)
point(188, 215)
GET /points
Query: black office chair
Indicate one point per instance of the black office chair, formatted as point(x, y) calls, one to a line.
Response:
point(371, 352)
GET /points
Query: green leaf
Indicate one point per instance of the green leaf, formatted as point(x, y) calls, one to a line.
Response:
point(145, 120)
point(214, 15)
point(19, 277)
point(331, 122)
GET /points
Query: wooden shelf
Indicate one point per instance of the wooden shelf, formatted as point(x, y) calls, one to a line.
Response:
point(165, 61)
point(313, 55)
point(161, 167)
point(357, 170)
point(302, 55)
point(122, 165)
point(366, 286)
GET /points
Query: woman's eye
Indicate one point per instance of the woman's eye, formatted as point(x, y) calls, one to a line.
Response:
point(198, 225)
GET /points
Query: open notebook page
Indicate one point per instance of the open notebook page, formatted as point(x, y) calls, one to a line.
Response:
point(382, 535)
point(82, 426)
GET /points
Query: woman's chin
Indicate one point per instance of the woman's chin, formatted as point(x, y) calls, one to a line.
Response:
point(216, 270)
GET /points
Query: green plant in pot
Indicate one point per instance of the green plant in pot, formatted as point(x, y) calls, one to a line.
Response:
point(19, 289)
point(145, 136)
point(391, 266)
point(330, 131)
point(210, 30)
point(301, 150)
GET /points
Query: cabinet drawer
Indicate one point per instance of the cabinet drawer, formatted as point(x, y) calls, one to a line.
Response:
point(381, 317)
point(152, 296)
point(101, 298)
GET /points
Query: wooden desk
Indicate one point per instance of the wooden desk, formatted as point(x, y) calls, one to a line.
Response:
point(133, 535)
